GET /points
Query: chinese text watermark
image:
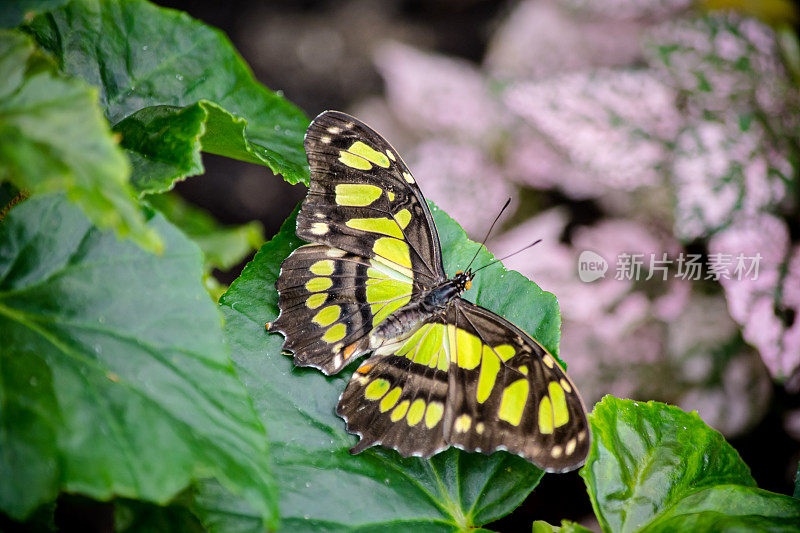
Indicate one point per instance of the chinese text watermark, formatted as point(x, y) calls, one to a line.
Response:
point(691, 267)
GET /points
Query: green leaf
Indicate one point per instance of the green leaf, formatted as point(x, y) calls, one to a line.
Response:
point(730, 508)
point(14, 12)
point(144, 56)
point(654, 466)
point(114, 375)
point(540, 526)
point(53, 137)
point(164, 143)
point(223, 246)
point(382, 491)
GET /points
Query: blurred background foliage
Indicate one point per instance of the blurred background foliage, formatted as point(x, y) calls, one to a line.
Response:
point(625, 126)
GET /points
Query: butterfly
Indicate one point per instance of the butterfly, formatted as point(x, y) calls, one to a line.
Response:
point(441, 371)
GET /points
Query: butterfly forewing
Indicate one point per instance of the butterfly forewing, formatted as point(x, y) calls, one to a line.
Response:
point(363, 199)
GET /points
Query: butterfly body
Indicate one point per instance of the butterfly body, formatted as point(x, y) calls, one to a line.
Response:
point(441, 370)
point(431, 303)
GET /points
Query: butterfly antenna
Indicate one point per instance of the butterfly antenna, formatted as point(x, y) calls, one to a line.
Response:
point(488, 233)
point(490, 263)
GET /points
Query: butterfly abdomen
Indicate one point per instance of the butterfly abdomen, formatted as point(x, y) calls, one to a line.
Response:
point(403, 321)
point(409, 317)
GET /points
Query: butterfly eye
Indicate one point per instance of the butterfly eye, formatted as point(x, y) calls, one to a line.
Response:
point(468, 284)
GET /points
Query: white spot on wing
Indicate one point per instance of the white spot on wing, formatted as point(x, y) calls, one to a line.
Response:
point(319, 228)
point(335, 252)
point(570, 447)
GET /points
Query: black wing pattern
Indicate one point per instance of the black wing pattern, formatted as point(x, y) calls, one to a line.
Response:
point(517, 398)
point(470, 379)
point(363, 199)
point(376, 245)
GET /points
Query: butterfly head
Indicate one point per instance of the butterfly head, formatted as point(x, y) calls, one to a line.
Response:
point(463, 280)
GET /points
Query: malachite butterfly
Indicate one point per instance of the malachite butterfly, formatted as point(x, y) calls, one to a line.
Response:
point(442, 371)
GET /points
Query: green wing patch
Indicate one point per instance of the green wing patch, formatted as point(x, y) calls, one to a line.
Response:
point(330, 300)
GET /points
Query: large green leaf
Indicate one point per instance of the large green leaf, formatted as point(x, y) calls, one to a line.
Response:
point(223, 247)
point(141, 56)
point(540, 526)
point(655, 467)
point(53, 137)
point(323, 487)
point(164, 143)
point(730, 508)
point(114, 376)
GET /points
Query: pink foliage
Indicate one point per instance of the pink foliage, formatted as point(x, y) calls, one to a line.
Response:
point(721, 169)
point(459, 178)
point(629, 9)
point(541, 38)
point(437, 94)
point(722, 63)
point(610, 328)
point(757, 304)
point(610, 125)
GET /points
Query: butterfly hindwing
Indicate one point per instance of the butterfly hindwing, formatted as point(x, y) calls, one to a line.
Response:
point(363, 199)
point(393, 401)
point(330, 300)
point(506, 392)
point(499, 389)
